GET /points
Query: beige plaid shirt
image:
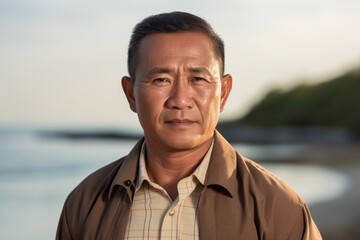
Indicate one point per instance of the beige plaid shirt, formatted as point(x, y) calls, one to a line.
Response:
point(155, 216)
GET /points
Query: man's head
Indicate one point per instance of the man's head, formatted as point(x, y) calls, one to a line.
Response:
point(173, 22)
point(178, 88)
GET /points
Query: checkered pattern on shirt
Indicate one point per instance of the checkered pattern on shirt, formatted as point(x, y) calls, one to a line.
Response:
point(155, 216)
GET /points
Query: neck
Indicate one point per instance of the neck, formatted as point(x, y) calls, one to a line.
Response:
point(168, 168)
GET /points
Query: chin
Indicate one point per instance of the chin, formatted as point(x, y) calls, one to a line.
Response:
point(184, 142)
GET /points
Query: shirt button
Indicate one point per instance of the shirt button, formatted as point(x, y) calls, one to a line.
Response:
point(172, 213)
point(127, 183)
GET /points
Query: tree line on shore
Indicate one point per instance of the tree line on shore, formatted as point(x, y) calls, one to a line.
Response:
point(334, 103)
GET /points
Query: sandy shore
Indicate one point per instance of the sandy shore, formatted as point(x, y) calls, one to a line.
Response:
point(338, 219)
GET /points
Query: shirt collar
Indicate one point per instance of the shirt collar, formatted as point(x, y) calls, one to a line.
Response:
point(201, 170)
point(142, 173)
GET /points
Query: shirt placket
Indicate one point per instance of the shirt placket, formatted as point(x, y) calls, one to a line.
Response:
point(172, 218)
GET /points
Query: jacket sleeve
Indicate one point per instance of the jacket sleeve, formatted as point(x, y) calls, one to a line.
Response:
point(305, 228)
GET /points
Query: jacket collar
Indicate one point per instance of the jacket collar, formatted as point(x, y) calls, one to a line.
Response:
point(221, 169)
point(126, 175)
point(222, 166)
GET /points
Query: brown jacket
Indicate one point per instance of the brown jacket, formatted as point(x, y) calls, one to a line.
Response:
point(240, 200)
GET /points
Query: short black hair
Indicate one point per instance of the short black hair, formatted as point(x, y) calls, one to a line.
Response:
point(172, 22)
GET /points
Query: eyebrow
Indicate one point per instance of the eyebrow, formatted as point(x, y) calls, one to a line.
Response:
point(199, 70)
point(157, 70)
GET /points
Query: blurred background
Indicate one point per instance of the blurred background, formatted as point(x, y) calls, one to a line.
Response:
point(294, 106)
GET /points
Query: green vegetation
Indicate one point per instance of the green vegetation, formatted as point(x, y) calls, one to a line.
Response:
point(334, 103)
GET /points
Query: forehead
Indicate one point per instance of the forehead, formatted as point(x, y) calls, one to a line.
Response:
point(160, 46)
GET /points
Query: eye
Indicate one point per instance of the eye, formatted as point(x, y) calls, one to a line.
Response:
point(161, 81)
point(198, 80)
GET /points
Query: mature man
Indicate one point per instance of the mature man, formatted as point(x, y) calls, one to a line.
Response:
point(183, 180)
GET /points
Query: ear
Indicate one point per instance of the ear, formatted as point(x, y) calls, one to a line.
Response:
point(128, 88)
point(226, 85)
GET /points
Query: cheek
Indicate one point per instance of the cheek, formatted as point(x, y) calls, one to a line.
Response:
point(149, 104)
point(147, 114)
point(209, 103)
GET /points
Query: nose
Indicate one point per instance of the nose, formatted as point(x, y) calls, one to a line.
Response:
point(180, 96)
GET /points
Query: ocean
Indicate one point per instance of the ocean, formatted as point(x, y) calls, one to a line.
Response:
point(37, 173)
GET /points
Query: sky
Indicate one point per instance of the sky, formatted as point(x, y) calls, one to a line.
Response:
point(61, 61)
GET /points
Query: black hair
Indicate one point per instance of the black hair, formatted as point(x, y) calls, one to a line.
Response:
point(172, 22)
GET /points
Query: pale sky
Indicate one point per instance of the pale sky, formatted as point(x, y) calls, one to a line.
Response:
point(61, 61)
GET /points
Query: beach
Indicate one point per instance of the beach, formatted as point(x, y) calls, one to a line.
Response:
point(339, 218)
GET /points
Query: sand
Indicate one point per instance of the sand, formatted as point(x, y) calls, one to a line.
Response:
point(338, 218)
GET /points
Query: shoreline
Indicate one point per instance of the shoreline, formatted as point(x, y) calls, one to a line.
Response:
point(339, 218)
point(234, 134)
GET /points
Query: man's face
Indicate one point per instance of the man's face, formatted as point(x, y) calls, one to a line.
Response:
point(179, 91)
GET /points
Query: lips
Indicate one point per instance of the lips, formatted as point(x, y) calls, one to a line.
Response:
point(179, 121)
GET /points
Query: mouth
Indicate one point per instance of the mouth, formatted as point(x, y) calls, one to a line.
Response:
point(177, 121)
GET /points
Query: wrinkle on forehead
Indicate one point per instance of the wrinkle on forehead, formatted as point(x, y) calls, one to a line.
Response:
point(193, 53)
point(190, 69)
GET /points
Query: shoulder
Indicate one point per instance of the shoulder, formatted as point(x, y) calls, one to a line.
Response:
point(290, 215)
point(96, 187)
point(273, 197)
point(93, 187)
point(100, 179)
point(265, 184)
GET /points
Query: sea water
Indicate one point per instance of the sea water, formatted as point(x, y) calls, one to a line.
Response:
point(37, 174)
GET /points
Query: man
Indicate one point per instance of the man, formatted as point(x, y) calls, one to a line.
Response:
point(183, 180)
